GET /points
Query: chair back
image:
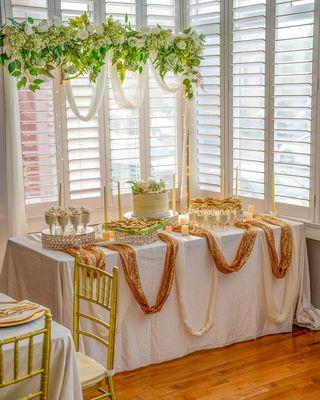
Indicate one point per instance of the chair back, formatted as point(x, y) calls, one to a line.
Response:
point(98, 287)
point(43, 370)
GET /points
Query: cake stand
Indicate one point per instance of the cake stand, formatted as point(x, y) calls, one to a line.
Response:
point(172, 216)
point(60, 242)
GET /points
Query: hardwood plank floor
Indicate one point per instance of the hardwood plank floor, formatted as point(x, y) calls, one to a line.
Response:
point(276, 367)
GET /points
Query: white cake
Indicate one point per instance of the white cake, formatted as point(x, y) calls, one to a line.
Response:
point(151, 205)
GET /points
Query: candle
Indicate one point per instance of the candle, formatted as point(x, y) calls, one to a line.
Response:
point(60, 195)
point(237, 182)
point(273, 199)
point(105, 204)
point(174, 206)
point(251, 208)
point(106, 235)
point(222, 184)
point(184, 230)
point(119, 202)
point(183, 220)
point(169, 228)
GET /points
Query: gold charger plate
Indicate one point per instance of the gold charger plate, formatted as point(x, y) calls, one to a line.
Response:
point(32, 317)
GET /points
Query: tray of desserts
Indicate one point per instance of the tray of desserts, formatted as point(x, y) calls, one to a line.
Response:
point(136, 231)
point(67, 228)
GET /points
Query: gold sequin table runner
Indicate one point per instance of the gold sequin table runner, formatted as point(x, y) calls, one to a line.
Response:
point(243, 252)
point(279, 267)
point(131, 272)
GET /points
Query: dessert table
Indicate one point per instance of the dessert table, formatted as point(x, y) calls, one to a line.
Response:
point(245, 304)
point(64, 382)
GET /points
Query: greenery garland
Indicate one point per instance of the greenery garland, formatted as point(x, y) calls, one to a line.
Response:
point(31, 51)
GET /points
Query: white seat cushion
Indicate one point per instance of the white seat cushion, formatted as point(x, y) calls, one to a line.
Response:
point(90, 371)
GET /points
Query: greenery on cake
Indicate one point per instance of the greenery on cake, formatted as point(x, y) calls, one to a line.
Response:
point(150, 186)
point(136, 226)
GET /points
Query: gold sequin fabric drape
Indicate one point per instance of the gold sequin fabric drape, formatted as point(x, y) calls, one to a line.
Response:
point(91, 255)
point(243, 252)
point(131, 272)
point(279, 267)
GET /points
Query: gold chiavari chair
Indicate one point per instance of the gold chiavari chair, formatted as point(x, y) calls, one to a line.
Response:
point(42, 393)
point(100, 288)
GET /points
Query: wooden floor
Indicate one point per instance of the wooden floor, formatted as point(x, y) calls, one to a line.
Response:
point(277, 367)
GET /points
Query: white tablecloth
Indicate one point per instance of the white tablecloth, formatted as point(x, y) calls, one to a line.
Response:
point(64, 383)
point(242, 308)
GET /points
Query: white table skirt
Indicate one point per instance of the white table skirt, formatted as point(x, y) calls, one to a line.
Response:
point(64, 382)
point(44, 276)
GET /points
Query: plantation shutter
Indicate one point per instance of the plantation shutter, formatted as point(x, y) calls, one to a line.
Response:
point(293, 104)
point(123, 125)
point(205, 17)
point(248, 95)
point(37, 124)
point(162, 120)
point(82, 141)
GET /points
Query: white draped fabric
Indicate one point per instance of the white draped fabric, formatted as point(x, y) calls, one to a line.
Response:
point(64, 380)
point(15, 188)
point(205, 309)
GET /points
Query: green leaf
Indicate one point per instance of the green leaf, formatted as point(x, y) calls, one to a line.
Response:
point(38, 81)
point(30, 20)
point(3, 58)
point(32, 88)
point(22, 82)
point(12, 66)
point(16, 73)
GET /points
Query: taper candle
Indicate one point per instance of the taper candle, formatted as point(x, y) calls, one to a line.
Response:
point(60, 195)
point(105, 204)
point(273, 194)
point(222, 184)
point(119, 202)
point(174, 200)
point(237, 182)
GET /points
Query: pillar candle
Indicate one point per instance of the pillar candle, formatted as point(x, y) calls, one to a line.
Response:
point(184, 230)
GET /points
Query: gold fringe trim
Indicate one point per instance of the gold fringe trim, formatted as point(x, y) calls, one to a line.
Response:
point(131, 272)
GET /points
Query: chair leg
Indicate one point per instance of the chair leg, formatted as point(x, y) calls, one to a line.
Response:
point(111, 388)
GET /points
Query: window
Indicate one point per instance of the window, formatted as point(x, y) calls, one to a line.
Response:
point(258, 112)
point(117, 144)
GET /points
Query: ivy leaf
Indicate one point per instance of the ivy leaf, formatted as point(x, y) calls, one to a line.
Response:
point(38, 81)
point(22, 82)
point(16, 73)
point(3, 58)
point(12, 66)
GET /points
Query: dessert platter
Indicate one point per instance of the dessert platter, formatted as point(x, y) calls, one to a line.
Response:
point(215, 211)
point(150, 199)
point(67, 228)
point(136, 231)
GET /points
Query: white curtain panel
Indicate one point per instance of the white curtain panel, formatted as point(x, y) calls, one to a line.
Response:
point(132, 98)
point(16, 215)
point(15, 189)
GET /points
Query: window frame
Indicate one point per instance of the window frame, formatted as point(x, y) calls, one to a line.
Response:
point(310, 215)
